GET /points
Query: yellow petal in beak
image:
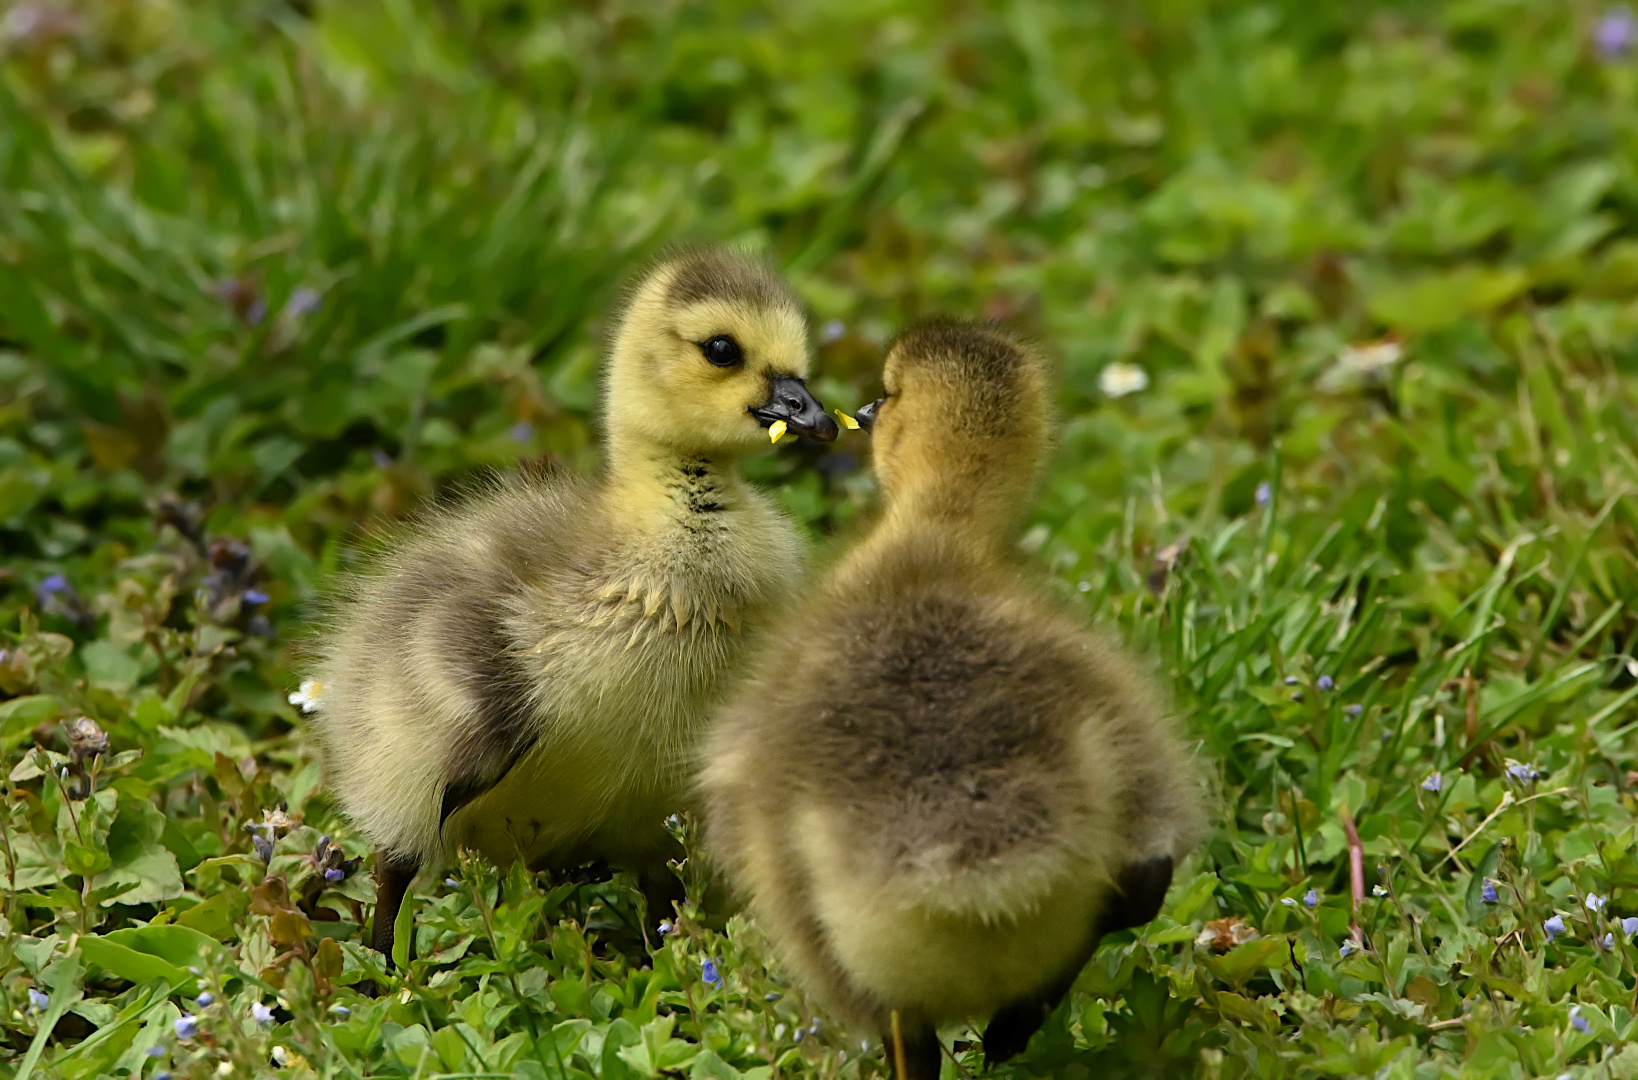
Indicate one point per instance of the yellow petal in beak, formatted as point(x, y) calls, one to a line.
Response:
point(847, 421)
point(775, 430)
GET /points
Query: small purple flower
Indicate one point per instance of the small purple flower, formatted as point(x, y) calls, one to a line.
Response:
point(340, 1011)
point(1433, 783)
point(1524, 774)
point(51, 586)
point(1578, 1021)
point(1348, 947)
point(709, 972)
point(301, 302)
point(262, 1014)
point(1291, 680)
point(1311, 898)
point(1595, 902)
point(254, 597)
point(1488, 893)
point(1265, 494)
point(1615, 33)
point(1324, 682)
point(770, 996)
point(665, 927)
point(1553, 927)
point(1609, 941)
point(206, 999)
point(155, 1051)
point(1287, 901)
point(263, 846)
point(833, 330)
point(37, 1001)
point(186, 1026)
point(1354, 710)
point(1629, 926)
point(522, 431)
point(335, 875)
point(452, 883)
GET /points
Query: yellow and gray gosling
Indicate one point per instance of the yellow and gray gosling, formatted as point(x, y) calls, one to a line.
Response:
point(937, 791)
point(528, 674)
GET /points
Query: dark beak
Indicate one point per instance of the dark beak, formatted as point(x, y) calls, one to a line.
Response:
point(789, 400)
point(867, 415)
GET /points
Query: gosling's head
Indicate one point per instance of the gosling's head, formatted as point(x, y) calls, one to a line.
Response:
point(965, 424)
point(711, 351)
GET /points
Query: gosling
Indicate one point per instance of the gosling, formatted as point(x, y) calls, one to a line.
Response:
point(937, 791)
point(527, 675)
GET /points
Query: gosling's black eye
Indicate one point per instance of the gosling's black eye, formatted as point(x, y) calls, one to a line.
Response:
point(722, 351)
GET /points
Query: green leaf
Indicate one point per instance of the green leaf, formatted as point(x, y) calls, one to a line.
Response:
point(220, 916)
point(20, 716)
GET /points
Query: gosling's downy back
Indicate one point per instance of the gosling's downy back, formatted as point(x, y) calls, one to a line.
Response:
point(935, 785)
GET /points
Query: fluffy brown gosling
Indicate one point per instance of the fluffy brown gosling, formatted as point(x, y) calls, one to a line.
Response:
point(527, 674)
point(938, 791)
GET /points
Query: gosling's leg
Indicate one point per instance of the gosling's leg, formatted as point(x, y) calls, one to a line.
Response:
point(662, 892)
point(1140, 890)
point(920, 1049)
point(393, 875)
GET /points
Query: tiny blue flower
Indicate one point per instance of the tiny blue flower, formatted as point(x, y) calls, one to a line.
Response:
point(1291, 680)
point(1265, 494)
point(37, 1001)
point(1433, 783)
point(340, 1010)
point(1578, 1021)
point(335, 875)
point(1324, 682)
point(770, 996)
point(1354, 710)
point(1629, 926)
point(452, 883)
point(1379, 891)
point(155, 1051)
point(52, 585)
point(301, 302)
point(195, 972)
point(1595, 902)
point(254, 597)
point(1287, 901)
point(162, 1076)
point(522, 431)
point(1348, 947)
point(263, 846)
point(1524, 774)
point(797, 1035)
point(205, 999)
point(186, 1026)
point(1554, 927)
point(813, 1028)
point(1488, 893)
point(1609, 941)
point(665, 927)
point(1614, 33)
point(261, 1013)
point(708, 972)
point(1311, 898)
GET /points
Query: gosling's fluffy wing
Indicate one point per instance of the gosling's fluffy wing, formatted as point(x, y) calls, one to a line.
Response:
point(427, 702)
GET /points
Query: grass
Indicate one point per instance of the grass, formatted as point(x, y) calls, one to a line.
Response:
point(271, 273)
